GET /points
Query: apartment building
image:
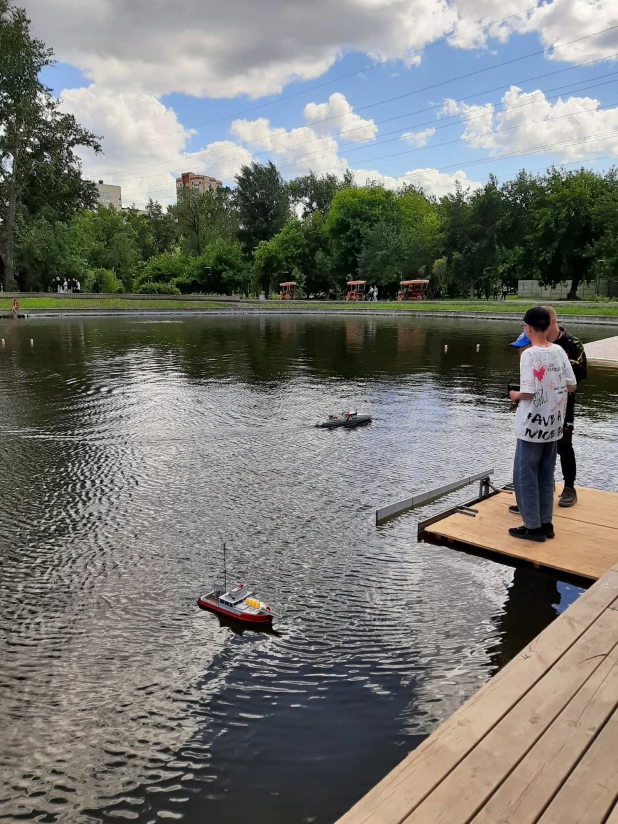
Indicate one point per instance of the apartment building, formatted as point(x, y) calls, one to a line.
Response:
point(196, 183)
point(109, 195)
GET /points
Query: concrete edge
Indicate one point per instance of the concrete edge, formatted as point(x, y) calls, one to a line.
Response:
point(598, 320)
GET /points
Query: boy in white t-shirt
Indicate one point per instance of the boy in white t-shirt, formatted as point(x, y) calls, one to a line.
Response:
point(545, 379)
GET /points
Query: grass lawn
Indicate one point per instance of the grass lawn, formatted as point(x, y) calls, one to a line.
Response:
point(156, 304)
point(77, 304)
point(583, 308)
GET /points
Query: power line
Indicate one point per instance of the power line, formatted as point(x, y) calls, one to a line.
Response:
point(335, 80)
point(491, 159)
point(418, 91)
point(455, 121)
point(379, 122)
point(445, 143)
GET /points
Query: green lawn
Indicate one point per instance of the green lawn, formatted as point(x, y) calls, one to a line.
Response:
point(77, 304)
point(153, 303)
point(583, 308)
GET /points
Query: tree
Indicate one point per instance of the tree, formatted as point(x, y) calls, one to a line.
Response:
point(202, 218)
point(262, 198)
point(562, 226)
point(162, 227)
point(438, 278)
point(46, 250)
point(163, 269)
point(107, 241)
point(315, 194)
point(39, 170)
point(282, 253)
point(353, 213)
point(603, 251)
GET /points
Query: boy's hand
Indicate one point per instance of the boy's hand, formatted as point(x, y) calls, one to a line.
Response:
point(514, 395)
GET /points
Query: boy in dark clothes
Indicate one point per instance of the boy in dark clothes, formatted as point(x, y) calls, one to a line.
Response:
point(574, 349)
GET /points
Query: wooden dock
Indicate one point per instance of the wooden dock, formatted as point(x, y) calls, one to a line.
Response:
point(585, 546)
point(538, 744)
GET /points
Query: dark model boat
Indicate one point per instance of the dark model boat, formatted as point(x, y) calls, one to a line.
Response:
point(237, 603)
point(346, 419)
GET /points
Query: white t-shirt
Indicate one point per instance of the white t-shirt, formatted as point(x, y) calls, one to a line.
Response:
point(543, 373)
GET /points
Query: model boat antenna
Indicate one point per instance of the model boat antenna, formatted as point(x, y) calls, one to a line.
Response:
point(224, 570)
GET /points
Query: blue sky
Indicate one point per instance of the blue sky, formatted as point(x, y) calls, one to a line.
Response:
point(163, 112)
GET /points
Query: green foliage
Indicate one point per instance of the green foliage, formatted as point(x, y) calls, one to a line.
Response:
point(103, 280)
point(46, 250)
point(315, 194)
point(162, 269)
point(562, 226)
point(263, 202)
point(228, 271)
point(353, 214)
point(202, 219)
point(157, 289)
point(40, 172)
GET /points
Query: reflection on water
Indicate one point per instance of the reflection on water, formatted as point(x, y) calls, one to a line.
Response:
point(131, 450)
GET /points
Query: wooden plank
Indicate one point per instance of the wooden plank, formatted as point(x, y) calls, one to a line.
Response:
point(530, 788)
point(613, 818)
point(468, 787)
point(592, 788)
point(593, 507)
point(390, 801)
point(578, 548)
point(426, 497)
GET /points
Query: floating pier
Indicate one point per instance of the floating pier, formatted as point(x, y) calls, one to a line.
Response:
point(585, 546)
point(538, 743)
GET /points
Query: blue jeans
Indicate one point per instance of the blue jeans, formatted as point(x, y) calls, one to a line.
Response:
point(533, 479)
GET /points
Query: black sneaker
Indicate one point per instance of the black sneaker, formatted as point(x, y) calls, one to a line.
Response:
point(537, 535)
point(514, 510)
point(568, 497)
point(549, 530)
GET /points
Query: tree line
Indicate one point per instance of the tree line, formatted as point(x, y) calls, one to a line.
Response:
point(319, 231)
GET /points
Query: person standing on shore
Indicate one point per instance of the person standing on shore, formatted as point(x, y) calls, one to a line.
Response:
point(505, 291)
point(545, 379)
point(576, 354)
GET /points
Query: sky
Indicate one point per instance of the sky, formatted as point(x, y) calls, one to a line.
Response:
point(427, 92)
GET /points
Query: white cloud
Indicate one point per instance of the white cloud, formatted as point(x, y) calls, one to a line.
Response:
point(556, 22)
point(433, 181)
point(565, 20)
point(206, 48)
point(529, 120)
point(418, 139)
point(145, 144)
point(338, 115)
point(147, 148)
point(296, 151)
point(213, 49)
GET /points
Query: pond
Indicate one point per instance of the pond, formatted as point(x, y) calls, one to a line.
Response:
point(132, 448)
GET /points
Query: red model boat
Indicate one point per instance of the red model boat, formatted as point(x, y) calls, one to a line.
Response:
point(237, 603)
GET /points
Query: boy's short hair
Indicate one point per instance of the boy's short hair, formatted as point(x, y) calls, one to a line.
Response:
point(538, 319)
point(551, 310)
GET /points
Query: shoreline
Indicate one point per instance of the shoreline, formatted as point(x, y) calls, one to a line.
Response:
point(244, 311)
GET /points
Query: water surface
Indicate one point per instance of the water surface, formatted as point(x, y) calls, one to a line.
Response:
point(131, 449)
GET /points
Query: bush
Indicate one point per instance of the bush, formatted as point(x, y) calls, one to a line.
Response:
point(157, 289)
point(189, 285)
point(103, 280)
point(162, 269)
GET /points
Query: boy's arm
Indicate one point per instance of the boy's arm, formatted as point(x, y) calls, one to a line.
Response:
point(526, 380)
